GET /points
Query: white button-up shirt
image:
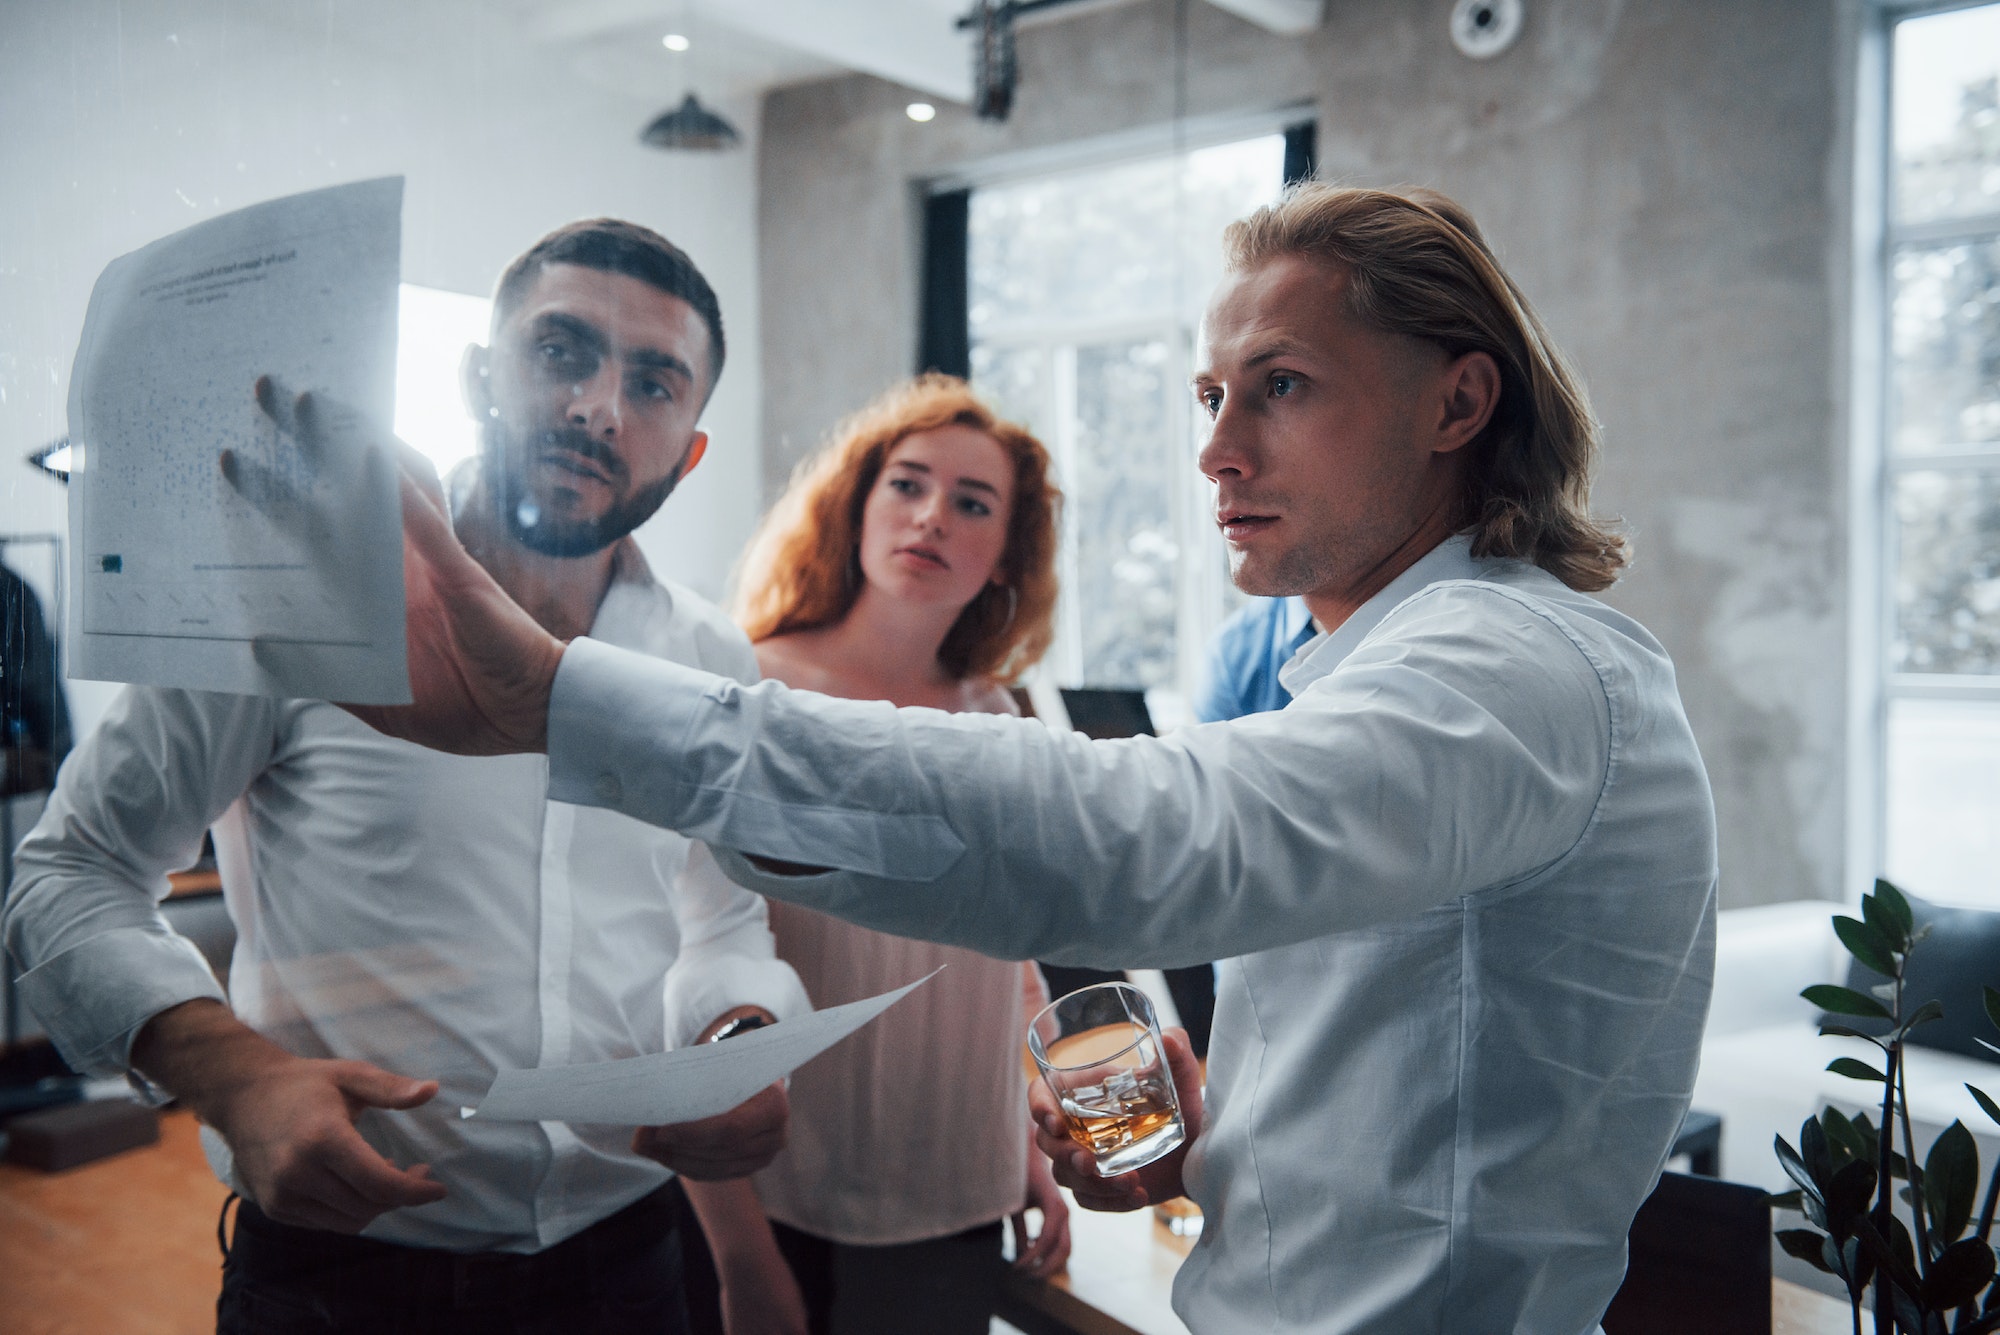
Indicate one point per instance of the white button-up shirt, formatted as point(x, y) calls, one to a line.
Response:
point(1467, 875)
point(436, 915)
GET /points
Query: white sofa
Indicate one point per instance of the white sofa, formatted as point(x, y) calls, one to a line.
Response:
point(1763, 1064)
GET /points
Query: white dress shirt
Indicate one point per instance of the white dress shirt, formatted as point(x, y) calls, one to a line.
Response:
point(1467, 875)
point(436, 915)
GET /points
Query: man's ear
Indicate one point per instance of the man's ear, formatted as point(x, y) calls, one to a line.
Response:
point(1469, 391)
point(475, 382)
point(697, 446)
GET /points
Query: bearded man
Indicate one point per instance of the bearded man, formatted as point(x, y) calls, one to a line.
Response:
point(411, 923)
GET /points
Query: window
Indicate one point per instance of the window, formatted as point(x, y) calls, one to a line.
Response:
point(1085, 291)
point(433, 328)
point(1941, 456)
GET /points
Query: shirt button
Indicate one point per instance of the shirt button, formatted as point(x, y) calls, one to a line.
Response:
point(609, 790)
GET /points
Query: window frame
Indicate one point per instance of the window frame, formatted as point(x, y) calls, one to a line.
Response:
point(1201, 593)
point(1877, 467)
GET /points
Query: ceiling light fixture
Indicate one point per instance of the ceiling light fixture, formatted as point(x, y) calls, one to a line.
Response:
point(690, 125)
point(920, 112)
point(674, 41)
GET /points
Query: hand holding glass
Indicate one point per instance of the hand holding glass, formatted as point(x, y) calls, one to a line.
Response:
point(1099, 1050)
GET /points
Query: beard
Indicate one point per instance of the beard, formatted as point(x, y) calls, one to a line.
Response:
point(505, 460)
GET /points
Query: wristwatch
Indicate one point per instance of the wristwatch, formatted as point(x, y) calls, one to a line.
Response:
point(742, 1024)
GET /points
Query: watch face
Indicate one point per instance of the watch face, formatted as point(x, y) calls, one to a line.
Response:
point(741, 1025)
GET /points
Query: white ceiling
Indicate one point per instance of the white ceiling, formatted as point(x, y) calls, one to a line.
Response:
point(746, 46)
point(742, 47)
point(739, 48)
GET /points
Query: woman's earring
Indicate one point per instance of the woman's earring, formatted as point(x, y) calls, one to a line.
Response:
point(1013, 606)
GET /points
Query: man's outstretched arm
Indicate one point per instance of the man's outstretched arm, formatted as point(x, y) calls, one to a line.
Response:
point(1417, 772)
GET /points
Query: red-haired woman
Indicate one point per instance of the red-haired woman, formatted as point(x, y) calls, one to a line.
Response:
point(912, 560)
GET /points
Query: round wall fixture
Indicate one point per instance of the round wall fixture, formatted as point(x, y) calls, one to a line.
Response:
point(1482, 29)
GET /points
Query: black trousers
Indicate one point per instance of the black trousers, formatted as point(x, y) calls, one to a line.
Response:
point(621, 1276)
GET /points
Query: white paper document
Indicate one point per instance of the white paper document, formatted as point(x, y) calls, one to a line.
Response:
point(180, 580)
point(679, 1086)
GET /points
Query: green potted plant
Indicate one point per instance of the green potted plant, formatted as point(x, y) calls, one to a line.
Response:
point(1934, 1275)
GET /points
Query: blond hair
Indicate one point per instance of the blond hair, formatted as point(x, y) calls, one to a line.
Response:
point(1416, 264)
point(802, 569)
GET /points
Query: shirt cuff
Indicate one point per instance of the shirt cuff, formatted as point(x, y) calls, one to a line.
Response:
point(94, 997)
point(696, 995)
point(612, 719)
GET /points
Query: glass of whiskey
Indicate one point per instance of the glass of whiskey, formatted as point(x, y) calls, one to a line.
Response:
point(1099, 1050)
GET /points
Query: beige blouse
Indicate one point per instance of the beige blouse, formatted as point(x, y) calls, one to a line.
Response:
point(917, 1126)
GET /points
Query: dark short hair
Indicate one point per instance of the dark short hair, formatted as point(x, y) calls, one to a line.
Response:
point(613, 245)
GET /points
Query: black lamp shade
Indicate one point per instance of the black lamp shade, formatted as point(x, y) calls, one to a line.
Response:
point(690, 125)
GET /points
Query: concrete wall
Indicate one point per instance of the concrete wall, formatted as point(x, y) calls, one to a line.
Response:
point(1668, 182)
point(121, 122)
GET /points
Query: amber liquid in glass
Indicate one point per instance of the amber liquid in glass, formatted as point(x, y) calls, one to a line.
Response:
point(1119, 1105)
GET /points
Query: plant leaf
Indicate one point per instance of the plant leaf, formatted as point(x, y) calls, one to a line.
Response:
point(1860, 1267)
point(1854, 1069)
point(1867, 945)
point(1930, 1010)
point(1951, 1181)
point(1882, 920)
point(1986, 1105)
point(1795, 1167)
point(1830, 1029)
point(1845, 1001)
point(1898, 908)
point(1848, 1142)
point(1992, 998)
point(1899, 1270)
point(1958, 1274)
point(1909, 1319)
point(1804, 1244)
point(1849, 1194)
point(1816, 1152)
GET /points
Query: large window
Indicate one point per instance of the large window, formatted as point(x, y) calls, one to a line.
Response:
point(433, 328)
point(1941, 479)
point(1085, 290)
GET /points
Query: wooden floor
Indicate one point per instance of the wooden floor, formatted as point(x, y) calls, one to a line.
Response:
point(124, 1246)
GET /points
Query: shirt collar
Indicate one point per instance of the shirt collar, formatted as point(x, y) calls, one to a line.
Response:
point(1450, 559)
point(1296, 621)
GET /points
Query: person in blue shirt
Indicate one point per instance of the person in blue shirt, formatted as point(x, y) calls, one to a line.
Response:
point(1241, 675)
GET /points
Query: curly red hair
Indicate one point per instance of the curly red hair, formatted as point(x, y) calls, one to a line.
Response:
point(802, 570)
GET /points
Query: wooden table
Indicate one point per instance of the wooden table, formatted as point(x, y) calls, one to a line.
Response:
point(1121, 1274)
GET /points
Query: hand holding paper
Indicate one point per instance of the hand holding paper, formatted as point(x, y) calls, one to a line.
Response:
point(180, 582)
point(481, 670)
point(729, 1145)
point(684, 1085)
